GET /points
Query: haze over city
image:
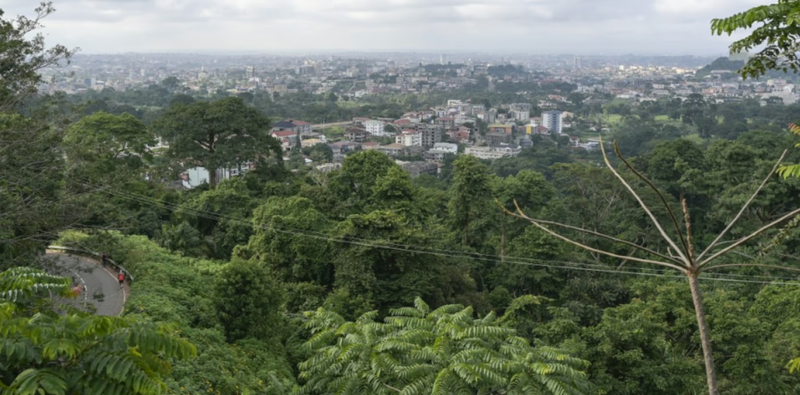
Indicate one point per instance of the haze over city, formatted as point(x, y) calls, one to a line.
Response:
point(535, 26)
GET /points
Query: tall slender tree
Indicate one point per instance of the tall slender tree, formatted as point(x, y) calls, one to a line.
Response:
point(681, 254)
point(471, 193)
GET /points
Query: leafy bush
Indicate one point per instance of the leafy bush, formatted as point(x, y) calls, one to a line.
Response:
point(181, 290)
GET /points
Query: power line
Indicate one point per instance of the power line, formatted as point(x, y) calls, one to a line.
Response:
point(565, 265)
point(349, 239)
point(216, 216)
point(491, 258)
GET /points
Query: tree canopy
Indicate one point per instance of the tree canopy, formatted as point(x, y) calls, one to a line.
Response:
point(217, 134)
point(417, 350)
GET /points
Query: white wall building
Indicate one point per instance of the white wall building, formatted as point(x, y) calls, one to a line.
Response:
point(553, 120)
point(196, 176)
point(409, 138)
point(448, 147)
point(787, 96)
point(375, 127)
point(522, 116)
point(492, 152)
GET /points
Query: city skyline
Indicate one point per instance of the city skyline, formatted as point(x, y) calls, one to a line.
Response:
point(581, 27)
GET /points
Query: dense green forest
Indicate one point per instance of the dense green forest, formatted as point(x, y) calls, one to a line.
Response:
point(365, 280)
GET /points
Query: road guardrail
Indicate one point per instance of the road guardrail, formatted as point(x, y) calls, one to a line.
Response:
point(93, 254)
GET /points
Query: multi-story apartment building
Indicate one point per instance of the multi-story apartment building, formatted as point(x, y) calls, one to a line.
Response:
point(357, 135)
point(409, 138)
point(445, 122)
point(431, 134)
point(375, 127)
point(553, 120)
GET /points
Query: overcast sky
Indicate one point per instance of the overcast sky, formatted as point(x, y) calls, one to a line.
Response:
point(535, 26)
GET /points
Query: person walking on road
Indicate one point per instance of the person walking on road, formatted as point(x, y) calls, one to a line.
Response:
point(104, 259)
point(77, 290)
point(121, 278)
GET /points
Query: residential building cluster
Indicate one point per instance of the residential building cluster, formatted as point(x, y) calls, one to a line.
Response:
point(421, 140)
point(430, 136)
point(353, 76)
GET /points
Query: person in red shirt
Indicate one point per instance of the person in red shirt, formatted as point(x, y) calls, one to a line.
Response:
point(121, 278)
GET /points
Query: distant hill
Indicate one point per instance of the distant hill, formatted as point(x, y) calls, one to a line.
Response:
point(724, 63)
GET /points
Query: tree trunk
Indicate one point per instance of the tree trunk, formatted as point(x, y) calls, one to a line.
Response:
point(212, 177)
point(503, 247)
point(705, 339)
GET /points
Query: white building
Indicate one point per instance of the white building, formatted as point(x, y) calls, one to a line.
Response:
point(553, 120)
point(492, 152)
point(409, 138)
point(447, 147)
point(522, 116)
point(329, 167)
point(375, 127)
point(196, 176)
point(787, 96)
point(522, 111)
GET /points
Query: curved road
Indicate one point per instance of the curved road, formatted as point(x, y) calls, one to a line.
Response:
point(101, 290)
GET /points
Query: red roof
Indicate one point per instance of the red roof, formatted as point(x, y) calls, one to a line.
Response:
point(402, 122)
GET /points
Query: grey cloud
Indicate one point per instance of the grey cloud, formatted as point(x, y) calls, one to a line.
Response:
point(546, 25)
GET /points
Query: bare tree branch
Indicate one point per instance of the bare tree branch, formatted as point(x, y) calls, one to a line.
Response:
point(604, 236)
point(686, 245)
point(588, 248)
point(621, 265)
point(748, 256)
point(748, 237)
point(688, 219)
point(747, 204)
point(644, 207)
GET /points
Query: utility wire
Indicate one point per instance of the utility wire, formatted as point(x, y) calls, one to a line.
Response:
point(349, 239)
point(444, 253)
point(491, 258)
point(216, 216)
